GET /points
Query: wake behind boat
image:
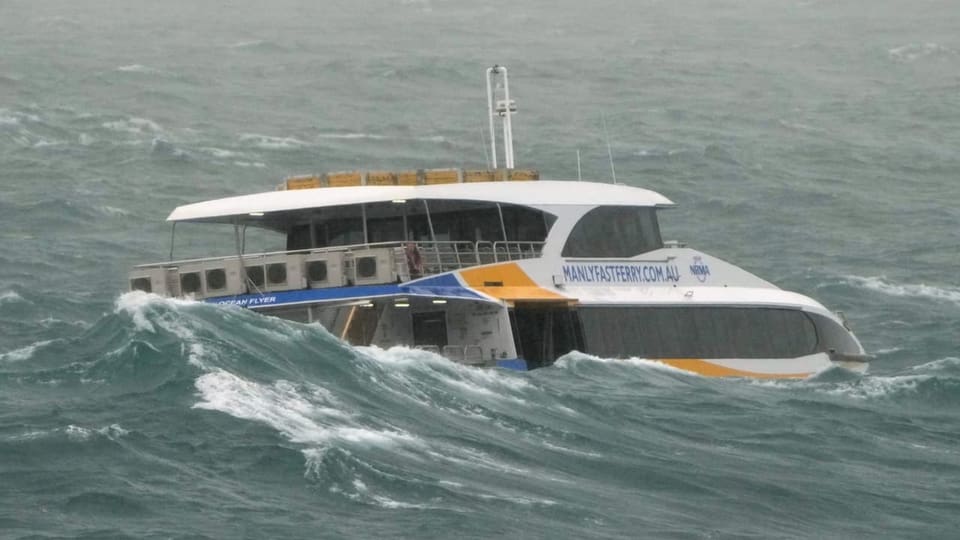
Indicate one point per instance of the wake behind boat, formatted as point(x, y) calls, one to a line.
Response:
point(496, 267)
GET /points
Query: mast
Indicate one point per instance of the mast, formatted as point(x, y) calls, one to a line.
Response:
point(503, 109)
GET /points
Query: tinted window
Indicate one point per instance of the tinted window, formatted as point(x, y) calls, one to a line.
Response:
point(614, 231)
point(703, 332)
point(452, 220)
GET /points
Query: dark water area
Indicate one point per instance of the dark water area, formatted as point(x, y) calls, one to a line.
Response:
point(816, 144)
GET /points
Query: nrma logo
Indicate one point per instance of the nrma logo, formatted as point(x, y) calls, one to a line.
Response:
point(699, 269)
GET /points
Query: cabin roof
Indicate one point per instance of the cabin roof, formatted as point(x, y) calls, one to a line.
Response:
point(532, 193)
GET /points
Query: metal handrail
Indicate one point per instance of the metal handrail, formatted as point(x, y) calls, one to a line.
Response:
point(438, 256)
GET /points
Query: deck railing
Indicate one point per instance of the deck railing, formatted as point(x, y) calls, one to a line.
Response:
point(394, 261)
point(437, 257)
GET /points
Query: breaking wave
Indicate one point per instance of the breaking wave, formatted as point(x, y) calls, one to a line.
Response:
point(883, 285)
point(916, 51)
point(176, 387)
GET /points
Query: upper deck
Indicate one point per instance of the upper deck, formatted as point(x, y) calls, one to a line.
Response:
point(407, 231)
point(262, 208)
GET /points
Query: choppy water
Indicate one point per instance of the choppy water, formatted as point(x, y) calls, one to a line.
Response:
point(815, 143)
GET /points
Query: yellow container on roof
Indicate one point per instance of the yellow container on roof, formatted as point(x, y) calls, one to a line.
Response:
point(303, 182)
point(381, 178)
point(344, 178)
point(479, 175)
point(524, 174)
point(408, 178)
point(441, 176)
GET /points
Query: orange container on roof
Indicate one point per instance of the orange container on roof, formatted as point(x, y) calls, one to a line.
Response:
point(344, 178)
point(303, 182)
point(441, 176)
point(408, 178)
point(381, 178)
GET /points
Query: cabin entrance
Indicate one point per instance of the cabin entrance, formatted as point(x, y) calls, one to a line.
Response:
point(430, 328)
point(544, 331)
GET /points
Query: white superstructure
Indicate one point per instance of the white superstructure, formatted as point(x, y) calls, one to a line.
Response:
point(497, 267)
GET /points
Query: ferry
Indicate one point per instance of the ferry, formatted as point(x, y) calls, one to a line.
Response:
point(497, 267)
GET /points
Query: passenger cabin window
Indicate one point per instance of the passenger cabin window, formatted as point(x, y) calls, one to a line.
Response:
point(614, 231)
point(703, 332)
point(452, 221)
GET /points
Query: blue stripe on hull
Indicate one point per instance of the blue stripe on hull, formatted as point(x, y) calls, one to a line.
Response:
point(433, 288)
point(518, 364)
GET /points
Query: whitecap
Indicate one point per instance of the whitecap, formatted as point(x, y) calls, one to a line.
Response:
point(247, 164)
point(81, 434)
point(350, 136)
point(135, 304)
point(10, 297)
point(136, 68)
point(942, 364)
point(914, 51)
point(569, 360)
point(308, 418)
point(113, 211)
point(25, 353)
point(246, 44)
point(43, 143)
point(77, 433)
point(873, 387)
point(270, 142)
point(909, 290)
point(133, 125)
point(221, 153)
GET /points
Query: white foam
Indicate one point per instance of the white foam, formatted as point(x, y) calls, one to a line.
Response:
point(113, 211)
point(48, 322)
point(270, 142)
point(81, 434)
point(378, 137)
point(914, 51)
point(571, 451)
point(567, 362)
point(306, 417)
point(883, 285)
point(136, 68)
point(195, 355)
point(43, 143)
point(472, 458)
point(797, 126)
point(77, 433)
point(350, 136)
point(517, 499)
point(949, 362)
point(10, 297)
point(15, 118)
point(133, 125)
point(248, 164)
point(221, 153)
point(245, 44)
point(873, 387)
point(135, 304)
point(24, 353)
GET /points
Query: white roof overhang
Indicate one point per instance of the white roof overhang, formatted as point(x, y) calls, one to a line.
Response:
point(539, 193)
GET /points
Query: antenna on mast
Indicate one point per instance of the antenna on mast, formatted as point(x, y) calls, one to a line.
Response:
point(613, 171)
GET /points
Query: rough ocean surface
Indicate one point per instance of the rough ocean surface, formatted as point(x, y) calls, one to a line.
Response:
point(814, 143)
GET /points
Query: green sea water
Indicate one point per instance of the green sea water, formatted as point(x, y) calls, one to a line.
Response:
point(814, 143)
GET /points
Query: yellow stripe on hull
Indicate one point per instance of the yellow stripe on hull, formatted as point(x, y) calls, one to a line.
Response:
point(709, 369)
point(508, 282)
